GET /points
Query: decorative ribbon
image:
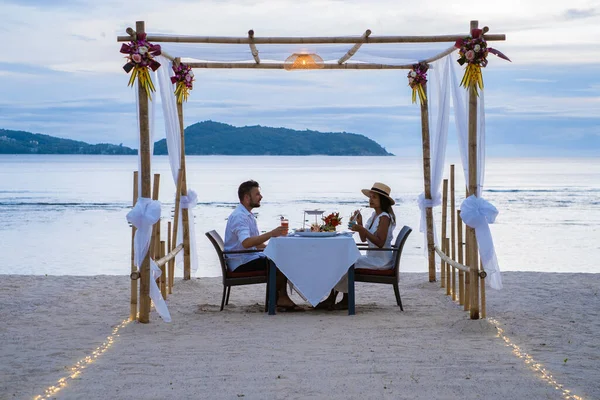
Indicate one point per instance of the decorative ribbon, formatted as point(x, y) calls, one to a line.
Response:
point(143, 216)
point(189, 201)
point(478, 213)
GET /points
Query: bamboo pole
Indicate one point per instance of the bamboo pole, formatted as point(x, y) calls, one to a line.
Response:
point(163, 270)
point(473, 250)
point(453, 229)
point(144, 315)
point(185, 221)
point(482, 284)
point(427, 184)
point(459, 247)
point(134, 296)
point(177, 203)
point(156, 227)
point(443, 233)
point(354, 48)
point(171, 262)
point(448, 283)
point(253, 49)
point(467, 304)
point(306, 40)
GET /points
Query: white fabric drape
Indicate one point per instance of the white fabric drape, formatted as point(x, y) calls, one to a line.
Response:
point(143, 216)
point(439, 100)
point(173, 137)
point(476, 212)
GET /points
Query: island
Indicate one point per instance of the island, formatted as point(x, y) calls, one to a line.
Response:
point(210, 138)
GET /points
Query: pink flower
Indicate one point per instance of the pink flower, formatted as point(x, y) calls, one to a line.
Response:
point(136, 58)
point(470, 55)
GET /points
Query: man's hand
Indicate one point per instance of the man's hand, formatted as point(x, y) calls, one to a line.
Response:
point(279, 231)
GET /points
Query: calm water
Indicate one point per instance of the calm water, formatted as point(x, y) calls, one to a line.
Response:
point(65, 215)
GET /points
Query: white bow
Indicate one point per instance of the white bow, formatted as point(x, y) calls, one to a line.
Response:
point(143, 216)
point(478, 213)
point(190, 200)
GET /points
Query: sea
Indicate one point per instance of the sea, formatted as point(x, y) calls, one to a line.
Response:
point(66, 214)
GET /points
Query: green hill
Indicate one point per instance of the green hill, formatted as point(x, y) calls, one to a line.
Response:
point(19, 142)
point(210, 138)
point(215, 138)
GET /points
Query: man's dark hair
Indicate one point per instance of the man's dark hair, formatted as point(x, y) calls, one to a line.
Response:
point(245, 188)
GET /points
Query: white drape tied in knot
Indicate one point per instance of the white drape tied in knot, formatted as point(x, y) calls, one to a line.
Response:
point(424, 204)
point(143, 216)
point(190, 200)
point(478, 213)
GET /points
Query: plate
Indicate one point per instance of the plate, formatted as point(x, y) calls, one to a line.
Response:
point(315, 234)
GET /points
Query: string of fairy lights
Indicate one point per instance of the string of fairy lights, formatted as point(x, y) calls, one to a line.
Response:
point(76, 369)
point(543, 373)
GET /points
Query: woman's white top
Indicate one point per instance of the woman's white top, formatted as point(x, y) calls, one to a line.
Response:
point(377, 259)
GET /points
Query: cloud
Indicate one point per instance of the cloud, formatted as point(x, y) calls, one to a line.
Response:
point(71, 83)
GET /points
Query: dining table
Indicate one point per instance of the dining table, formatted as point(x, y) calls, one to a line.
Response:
point(314, 263)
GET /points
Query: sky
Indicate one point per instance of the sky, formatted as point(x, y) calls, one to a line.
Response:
point(61, 71)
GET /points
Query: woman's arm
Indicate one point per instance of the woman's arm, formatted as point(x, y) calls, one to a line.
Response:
point(378, 239)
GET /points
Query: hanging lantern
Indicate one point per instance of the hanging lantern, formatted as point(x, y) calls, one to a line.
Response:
point(303, 61)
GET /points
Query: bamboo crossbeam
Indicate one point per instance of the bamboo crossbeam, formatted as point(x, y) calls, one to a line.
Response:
point(307, 40)
point(221, 65)
point(450, 261)
point(169, 256)
point(354, 48)
point(253, 48)
point(440, 55)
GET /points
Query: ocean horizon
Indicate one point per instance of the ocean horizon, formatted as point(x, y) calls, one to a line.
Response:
point(65, 214)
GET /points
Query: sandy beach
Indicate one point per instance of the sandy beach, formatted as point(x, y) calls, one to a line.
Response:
point(429, 351)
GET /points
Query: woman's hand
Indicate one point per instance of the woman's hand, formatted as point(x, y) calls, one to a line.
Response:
point(357, 216)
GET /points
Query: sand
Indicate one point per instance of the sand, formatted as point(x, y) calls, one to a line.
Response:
point(429, 351)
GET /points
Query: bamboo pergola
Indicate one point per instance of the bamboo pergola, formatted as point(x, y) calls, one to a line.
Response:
point(471, 270)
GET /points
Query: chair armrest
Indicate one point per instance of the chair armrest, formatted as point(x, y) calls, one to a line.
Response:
point(380, 249)
point(242, 251)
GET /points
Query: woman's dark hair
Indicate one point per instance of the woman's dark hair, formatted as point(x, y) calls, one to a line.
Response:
point(386, 205)
point(245, 188)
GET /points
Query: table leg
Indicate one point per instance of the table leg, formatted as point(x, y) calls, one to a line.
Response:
point(272, 287)
point(351, 303)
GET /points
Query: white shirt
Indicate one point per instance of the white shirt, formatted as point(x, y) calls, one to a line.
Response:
point(377, 259)
point(241, 225)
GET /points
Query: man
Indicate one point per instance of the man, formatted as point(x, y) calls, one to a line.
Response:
point(241, 233)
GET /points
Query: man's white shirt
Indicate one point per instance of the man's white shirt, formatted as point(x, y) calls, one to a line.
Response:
point(241, 225)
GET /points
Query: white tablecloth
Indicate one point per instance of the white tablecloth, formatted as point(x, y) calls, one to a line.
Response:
point(313, 264)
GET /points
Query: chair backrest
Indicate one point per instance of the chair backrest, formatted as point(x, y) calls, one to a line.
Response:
point(399, 244)
point(217, 242)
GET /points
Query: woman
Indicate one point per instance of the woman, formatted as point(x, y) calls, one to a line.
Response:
point(377, 232)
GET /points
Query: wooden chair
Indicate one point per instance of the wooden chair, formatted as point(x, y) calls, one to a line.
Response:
point(386, 276)
point(232, 278)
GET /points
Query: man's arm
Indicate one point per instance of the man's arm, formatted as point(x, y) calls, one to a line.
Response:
point(253, 241)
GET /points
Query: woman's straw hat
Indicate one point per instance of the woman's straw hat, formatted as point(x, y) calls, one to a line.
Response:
point(380, 188)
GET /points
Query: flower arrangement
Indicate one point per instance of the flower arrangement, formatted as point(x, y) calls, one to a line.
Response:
point(331, 221)
point(183, 80)
point(417, 77)
point(473, 51)
point(140, 58)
